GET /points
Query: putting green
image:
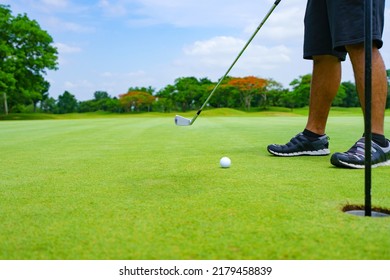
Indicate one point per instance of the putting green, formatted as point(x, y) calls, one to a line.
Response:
point(143, 188)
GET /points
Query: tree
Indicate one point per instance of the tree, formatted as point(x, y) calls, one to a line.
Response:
point(26, 53)
point(351, 98)
point(226, 95)
point(67, 103)
point(340, 96)
point(48, 105)
point(101, 102)
point(104, 102)
point(187, 92)
point(112, 105)
point(164, 99)
point(88, 106)
point(100, 95)
point(7, 61)
point(299, 96)
point(149, 89)
point(163, 105)
point(249, 87)
point(136, 101)
point(275, 93)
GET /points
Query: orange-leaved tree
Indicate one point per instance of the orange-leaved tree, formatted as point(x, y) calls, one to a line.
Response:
point(249, 87)
point(136, 101)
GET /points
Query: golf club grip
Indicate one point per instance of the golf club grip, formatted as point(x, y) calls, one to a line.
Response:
point(237, 58)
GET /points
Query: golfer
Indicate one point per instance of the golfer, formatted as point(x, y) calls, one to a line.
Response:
point(334, 29)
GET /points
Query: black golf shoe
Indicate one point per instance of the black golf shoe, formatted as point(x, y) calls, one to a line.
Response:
point(300, 145)
point(355, 156)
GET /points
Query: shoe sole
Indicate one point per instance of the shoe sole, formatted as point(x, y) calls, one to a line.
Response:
point(323, 152)
point(340, 163)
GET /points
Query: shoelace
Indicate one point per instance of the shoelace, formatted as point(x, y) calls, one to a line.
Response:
point(357, 150)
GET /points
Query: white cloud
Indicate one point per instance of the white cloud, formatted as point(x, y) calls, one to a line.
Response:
point(112, 9)
point(218, 45)
point(110, 80)
point(212, 58)
point(285, 24)
point(55, 3)
point(64, 48)
point(203, 13)
point(58, 24)
point(221, 52)
point(207, 13)
point(80, 85)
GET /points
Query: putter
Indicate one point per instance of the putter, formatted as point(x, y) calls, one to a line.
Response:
point(182, 121)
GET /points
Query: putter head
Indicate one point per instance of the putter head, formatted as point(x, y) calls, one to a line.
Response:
point(181, 121)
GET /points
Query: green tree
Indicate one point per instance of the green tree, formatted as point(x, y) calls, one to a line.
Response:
point(186, 91)
point(88, 106)
point(164, 98)
point(275, 93)
point(100, 95)
point(340, 96)
point(101, 102)
point(189, 93)
point(113, 105)
point(299, 96)
point(163, 105)
point(7, 60)
point(205, 86)
point(104, 102)
point(48, 105)
point(351, 98)
point(226, 96)
point(67, 103)
point(26, 53)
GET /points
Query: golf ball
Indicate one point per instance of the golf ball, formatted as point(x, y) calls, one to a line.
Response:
point(225, 162)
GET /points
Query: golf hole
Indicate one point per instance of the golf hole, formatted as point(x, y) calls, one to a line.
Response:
point(359, 210)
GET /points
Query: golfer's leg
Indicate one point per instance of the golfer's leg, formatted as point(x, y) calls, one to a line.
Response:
point(379, 83)
point(325, 84)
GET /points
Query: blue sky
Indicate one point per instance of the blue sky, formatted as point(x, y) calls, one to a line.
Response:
point(111, 45)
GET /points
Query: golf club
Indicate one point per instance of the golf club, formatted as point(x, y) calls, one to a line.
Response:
point(181, 121)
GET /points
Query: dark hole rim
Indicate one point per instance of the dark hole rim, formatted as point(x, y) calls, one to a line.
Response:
point(351, 207)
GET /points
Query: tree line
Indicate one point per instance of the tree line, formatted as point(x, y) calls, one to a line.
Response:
point(27, 52)
point(188, 93)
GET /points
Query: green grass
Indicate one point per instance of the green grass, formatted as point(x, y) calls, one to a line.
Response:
point(142, 188)
point(271, 111)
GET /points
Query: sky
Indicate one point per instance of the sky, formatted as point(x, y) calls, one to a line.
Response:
point(112, 45)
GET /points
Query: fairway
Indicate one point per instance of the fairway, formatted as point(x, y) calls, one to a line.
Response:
point(142, 188)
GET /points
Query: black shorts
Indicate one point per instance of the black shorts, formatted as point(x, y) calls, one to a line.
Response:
point(331, 25)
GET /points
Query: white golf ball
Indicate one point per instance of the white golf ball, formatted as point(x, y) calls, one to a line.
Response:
point(225, 162)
